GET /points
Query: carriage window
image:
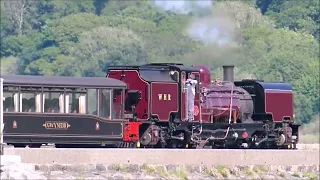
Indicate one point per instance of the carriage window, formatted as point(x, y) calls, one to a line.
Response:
point(8, 102)
point(75, 102)
point(117, 105)
point(104, 103)
point(28, 101)
point(92, 101)
point(53, 102)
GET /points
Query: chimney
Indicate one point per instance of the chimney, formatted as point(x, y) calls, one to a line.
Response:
point(228, 73)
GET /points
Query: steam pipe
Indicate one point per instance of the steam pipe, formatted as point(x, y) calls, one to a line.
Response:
point(228, 74)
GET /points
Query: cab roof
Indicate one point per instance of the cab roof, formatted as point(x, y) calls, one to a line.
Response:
point(157, 66)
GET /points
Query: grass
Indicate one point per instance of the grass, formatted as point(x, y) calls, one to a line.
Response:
point(82, 172)
point(282, 175)
point(255, 169)
point(118, 167)
point(208, 172)
point(180, 173)
point(295, 175)
point(262, 168)
point(148, 169)
point(310, 176)
point(221, 170)
point(248, 172)
point(162, 171)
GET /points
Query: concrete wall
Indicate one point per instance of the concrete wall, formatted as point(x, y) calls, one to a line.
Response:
point(169, 156)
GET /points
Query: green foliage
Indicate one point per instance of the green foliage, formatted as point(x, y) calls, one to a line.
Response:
point(68, 28)
point(296, 15)
point(266, 39)
point(284, 55)
point(105, 46)
point(8, 65)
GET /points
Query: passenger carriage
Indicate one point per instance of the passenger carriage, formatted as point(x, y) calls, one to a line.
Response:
point(63, 110)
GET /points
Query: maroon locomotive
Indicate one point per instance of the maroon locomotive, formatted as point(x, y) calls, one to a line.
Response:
point(167, 111)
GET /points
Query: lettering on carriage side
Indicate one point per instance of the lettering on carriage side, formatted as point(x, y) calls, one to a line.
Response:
point(164, 97)
point(57, 125)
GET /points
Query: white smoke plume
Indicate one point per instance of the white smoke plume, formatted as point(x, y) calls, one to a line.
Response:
point(208, 26)
point(182, 6)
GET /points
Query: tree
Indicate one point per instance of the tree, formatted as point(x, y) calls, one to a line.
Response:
point(104, 46)
point(296, 15)
point(17, 12)
point(68, 28)
point(270, 57)
point(9, 65)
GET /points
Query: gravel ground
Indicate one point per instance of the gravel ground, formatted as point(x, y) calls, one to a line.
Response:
point(119, 172)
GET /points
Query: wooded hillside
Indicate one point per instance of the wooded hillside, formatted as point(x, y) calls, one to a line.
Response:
point(273, 40)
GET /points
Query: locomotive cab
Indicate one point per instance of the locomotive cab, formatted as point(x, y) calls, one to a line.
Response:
point(158, 85)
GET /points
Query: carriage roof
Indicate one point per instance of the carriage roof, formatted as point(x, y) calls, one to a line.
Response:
point(62, 81)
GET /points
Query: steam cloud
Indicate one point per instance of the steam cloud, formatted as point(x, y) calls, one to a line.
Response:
point(208, 27)
point(181, 6)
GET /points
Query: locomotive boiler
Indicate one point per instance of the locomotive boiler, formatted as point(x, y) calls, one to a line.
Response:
point(217, 97)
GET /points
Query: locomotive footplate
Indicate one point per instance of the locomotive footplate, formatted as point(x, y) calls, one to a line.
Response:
point(61, 129)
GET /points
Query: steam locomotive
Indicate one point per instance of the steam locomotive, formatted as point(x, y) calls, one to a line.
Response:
point(227, 114)
point(149, 106)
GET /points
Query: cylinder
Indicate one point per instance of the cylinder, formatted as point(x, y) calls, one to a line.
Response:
point(228, 73)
